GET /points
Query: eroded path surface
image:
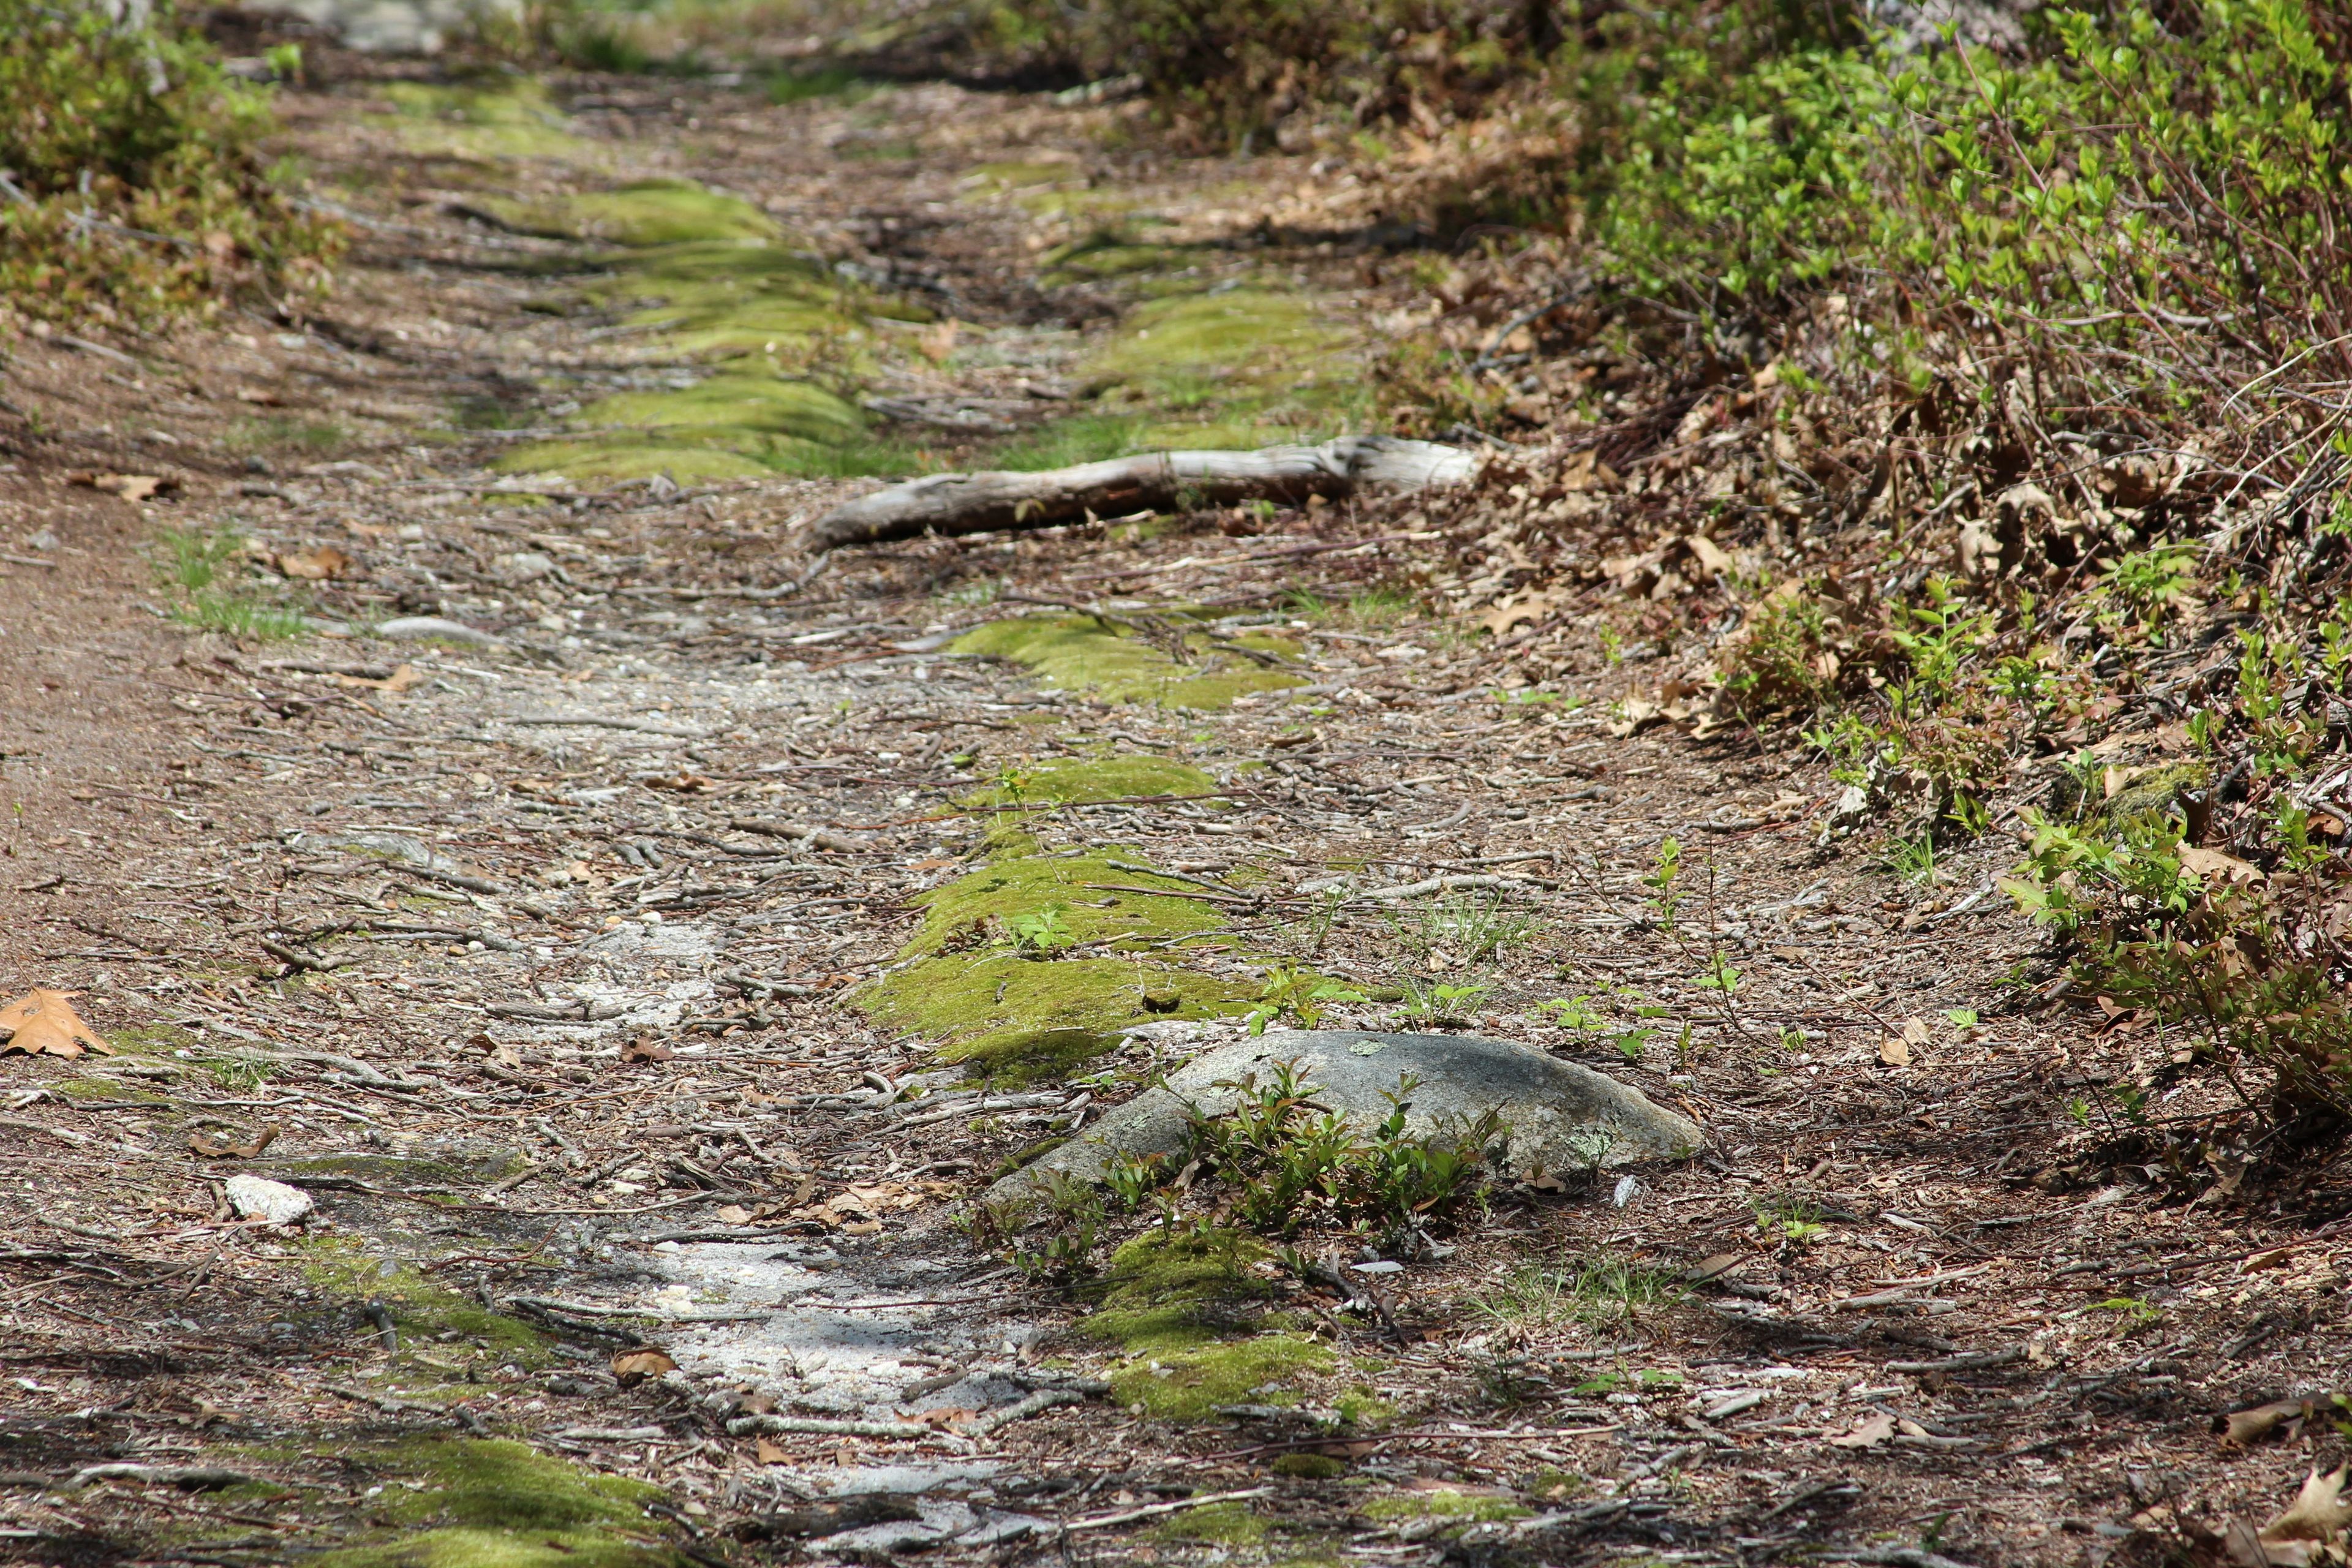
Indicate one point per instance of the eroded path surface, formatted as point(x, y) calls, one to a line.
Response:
point(642, 943)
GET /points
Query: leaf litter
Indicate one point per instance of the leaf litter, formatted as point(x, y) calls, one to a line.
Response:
point(564, 1150)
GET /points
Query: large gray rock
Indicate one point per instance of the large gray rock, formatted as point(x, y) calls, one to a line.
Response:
point(1560, 1117)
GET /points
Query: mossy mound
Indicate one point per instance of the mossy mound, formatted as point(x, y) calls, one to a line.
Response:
point(2155, 792)
point(1243, 368)
point(711, 282)
point(1102, 257)
point(1080, 654)
point(1073, 893)
point(1181, 1304)
point(419, 1306)
point(735, 406)
point(488, 121)
point(1018, 1019)
point(1189, 1384)
point(1218, 1523)
point(641, 213)
point(1084, 779)
point(497, 1504)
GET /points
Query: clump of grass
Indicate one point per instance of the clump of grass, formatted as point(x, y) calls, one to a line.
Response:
point(192, 566)
point(1473, 930)
point(1604, 1291)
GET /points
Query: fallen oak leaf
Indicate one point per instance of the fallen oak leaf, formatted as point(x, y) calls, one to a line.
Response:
point(1877, 1429)
point(314, 565)
point(206, 1149)
point(130, 486)
point(2211, 864)
point(1895, 1050)
point(43, 1021)
point(2318, 1512)
point(633, 1367)
point(2243, 1428)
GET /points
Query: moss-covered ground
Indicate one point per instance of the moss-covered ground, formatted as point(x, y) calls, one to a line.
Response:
point(421, 1309)
point(1079, 653)
point(497, 119)
point(1188, 1308)
point(465, 1503)
point(1029, 966)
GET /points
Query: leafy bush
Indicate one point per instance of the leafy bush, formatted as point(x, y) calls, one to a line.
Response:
point(136, 182)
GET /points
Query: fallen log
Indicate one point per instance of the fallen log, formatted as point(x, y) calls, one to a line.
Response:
point(1152, 481)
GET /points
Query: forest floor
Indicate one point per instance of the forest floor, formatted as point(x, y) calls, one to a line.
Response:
point(561, 952)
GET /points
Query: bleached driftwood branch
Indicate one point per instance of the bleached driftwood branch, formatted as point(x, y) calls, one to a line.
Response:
point(1152, 481)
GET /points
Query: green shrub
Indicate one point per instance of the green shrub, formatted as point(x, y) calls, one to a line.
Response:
point(138, 186)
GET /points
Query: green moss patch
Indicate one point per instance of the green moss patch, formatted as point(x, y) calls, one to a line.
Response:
point(1218, 1523)
point(419, 1306)
point(1067, 442)
point(1242, 368)
point(1072, 893)
point(1182, 1305)
point(1165, 1290)
point(735, 404)
point(2154, 793)
point(641, 213)
point(1020, 1019)
point(1189, 1384)
point(781, 336)
point(495, 1504)
point(152, 1039)
point(484, 122)
point(1085, 780)
point(1080, 654)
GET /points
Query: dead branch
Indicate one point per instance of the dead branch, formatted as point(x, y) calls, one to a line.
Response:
point(1152, 481)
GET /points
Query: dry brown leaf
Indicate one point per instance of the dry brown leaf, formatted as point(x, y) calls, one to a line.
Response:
point(42, 1021)
point(1877, 1429)
point(644, 1050)
point(769, 1453)
point(2271, 1258)
point(633, 1367)
point(1895, 1051)
point(314, 565)
point(1530, 608)
point(1708, 553)
point(2245, 1427)
point(402, 677)
point(205, 1148)
point(949, 1416)
point(2212, 863)
point(1636, 715)
point(130, 486)
point(2318, 1512)
point(733, 1213)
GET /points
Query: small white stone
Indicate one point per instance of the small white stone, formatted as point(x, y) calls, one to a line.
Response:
point(273, 1203)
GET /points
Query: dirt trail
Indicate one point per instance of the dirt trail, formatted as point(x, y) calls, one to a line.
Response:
point(566, 946)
